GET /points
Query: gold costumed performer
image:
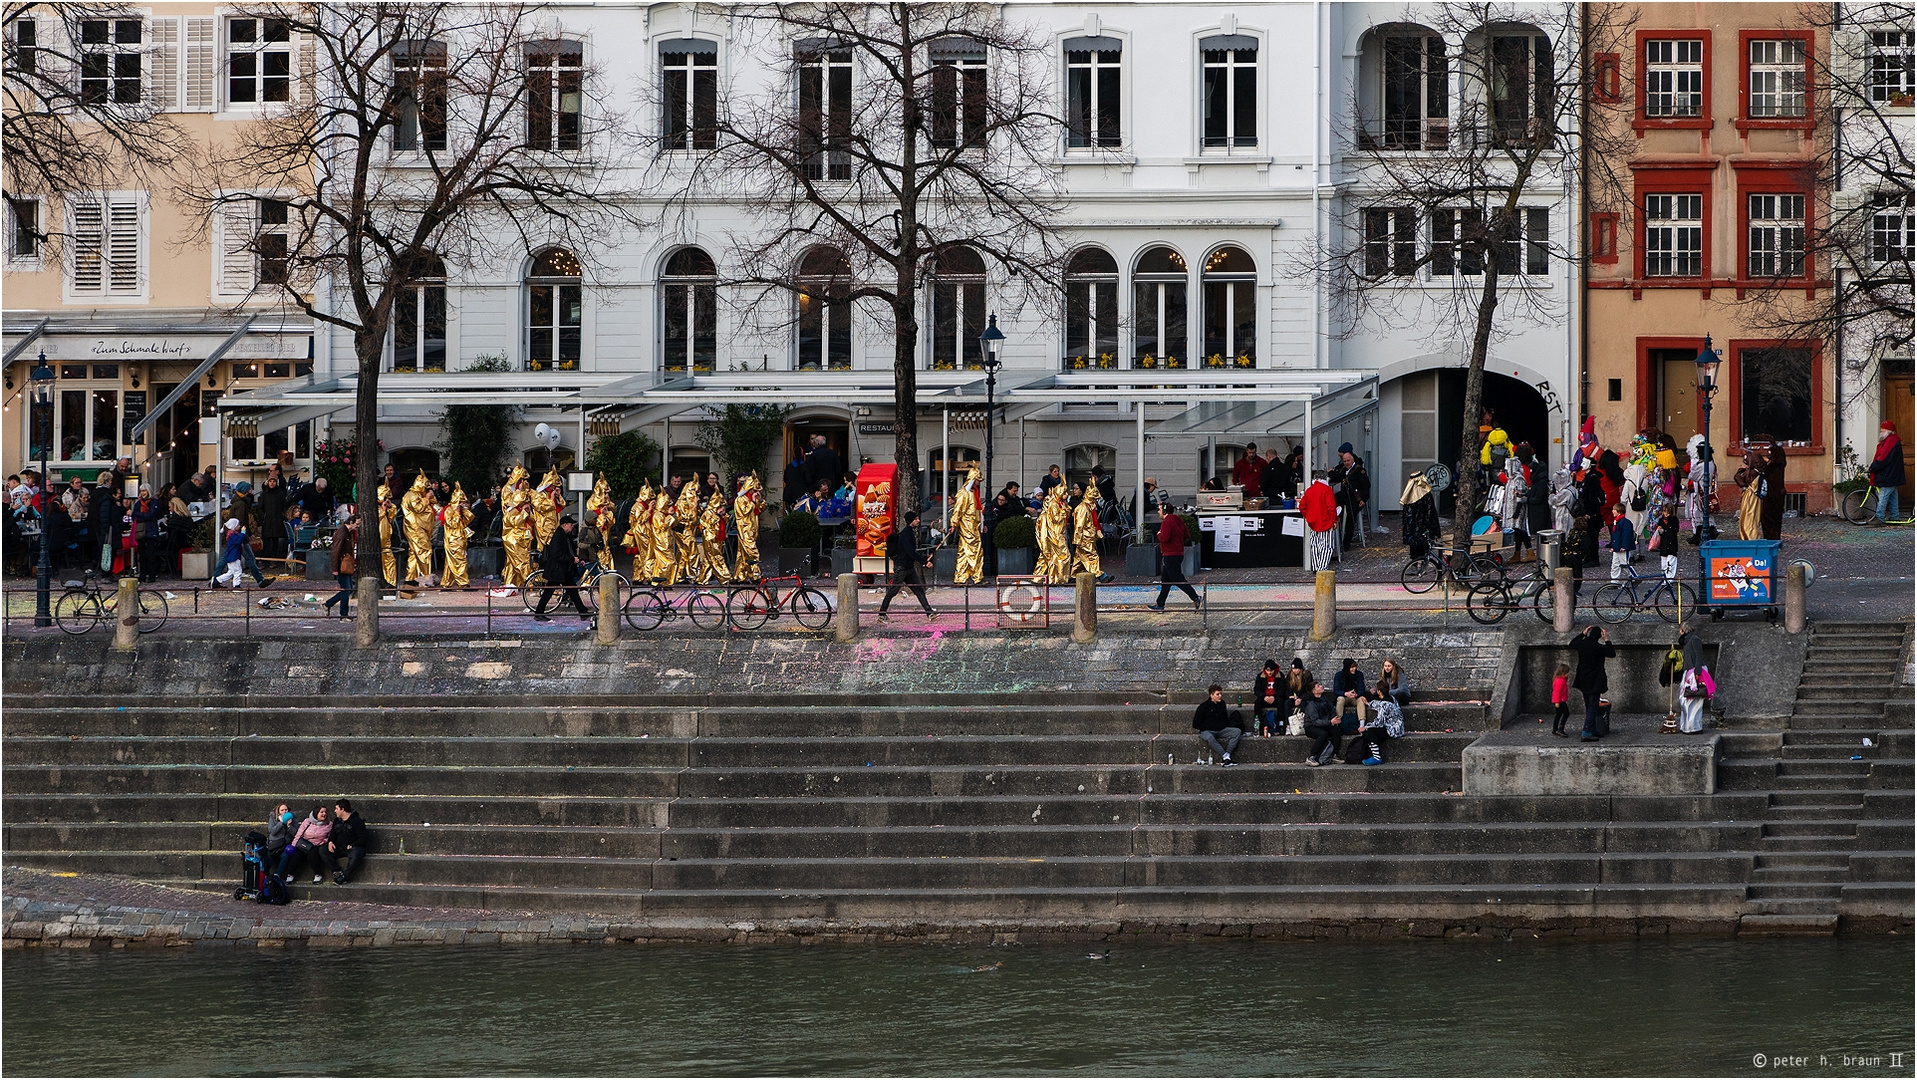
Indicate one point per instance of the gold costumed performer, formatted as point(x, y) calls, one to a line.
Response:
point(712, 540)
point(665, 552)
point(548, 499)
point(745, 515)
point(422, 516)
point(1054, 550)
point(1085, 533)
point(516, 528)
point(967, 524)
point(599, 509)
point(685, 528)
point(639, 532)
point(383, 504)
point(458, 520)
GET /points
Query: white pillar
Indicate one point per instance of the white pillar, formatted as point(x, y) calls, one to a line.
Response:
point(1138, 482)
point(945, 466)
point(1310, 435)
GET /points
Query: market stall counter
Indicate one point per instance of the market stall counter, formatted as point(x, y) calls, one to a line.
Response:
point(1266, 537)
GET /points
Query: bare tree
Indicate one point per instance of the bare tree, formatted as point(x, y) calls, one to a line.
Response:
point(1859, 173)
point(436, 135)
point(79, 114)
point(1435, 233)
point(918, 142)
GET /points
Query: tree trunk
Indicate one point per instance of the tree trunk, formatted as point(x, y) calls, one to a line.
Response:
point(369, 345)
point(1466, 508)
point(905, 398)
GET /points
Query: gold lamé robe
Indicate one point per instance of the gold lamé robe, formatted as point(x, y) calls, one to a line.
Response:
point(967, 524)
point(664, 563)
point(599, 507)
point(639, 532)
point(712, 543)
point(1054, 549)
point(547, 499)
point(685, 527)
point(388, 564)
point(457, 519)
point(745, 521)
point(422, 517)
point(1085, 536)
point(516, 533)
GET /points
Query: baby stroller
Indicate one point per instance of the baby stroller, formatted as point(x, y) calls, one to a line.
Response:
point(257, 881)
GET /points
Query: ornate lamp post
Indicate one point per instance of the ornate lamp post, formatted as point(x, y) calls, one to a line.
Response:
point(991, 343)
point(1707, 361)
point(42, 382)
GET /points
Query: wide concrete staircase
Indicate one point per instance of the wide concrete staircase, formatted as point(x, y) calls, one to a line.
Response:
point(1838, 833)
point(1065, 809)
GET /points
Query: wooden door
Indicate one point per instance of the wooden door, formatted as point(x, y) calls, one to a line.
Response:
point(1677, 393)
point(1898, 410)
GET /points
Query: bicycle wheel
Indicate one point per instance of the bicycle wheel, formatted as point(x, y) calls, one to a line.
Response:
point(1614, 602)
point(76, 611)
point(708, 612)
point(529, 592)
point(811, 608)
point(152, 609)
point(1490, 566)
point(1675, 601)
point(1543, 602)
point(1421, 575)
point(748, 607)
point(1855, 506)
point(645, 609)
point(1488, 603)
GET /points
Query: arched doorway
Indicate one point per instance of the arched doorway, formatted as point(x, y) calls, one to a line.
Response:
point(1431, 418)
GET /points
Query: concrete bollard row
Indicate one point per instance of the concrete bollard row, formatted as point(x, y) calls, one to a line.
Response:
point(1084, 609)
point(1324, 605)
point(847, 626)
point(126, 607)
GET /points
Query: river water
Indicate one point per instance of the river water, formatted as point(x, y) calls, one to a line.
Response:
point(1673, 1008)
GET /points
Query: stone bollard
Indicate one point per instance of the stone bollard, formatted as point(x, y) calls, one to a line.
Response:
point(1324, 605)
point(1085, 609)
point(126, 604)
point(606, 630)
point(366, 624)
point(847, 627)
point(1794, 584)
point(1563, 603)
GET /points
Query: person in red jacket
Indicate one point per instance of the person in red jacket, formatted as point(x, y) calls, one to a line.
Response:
point(1248, 471)
point(1319, 504)
point(1172, 538)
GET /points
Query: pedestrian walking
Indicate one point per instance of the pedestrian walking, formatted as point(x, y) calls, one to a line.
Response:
point(1593, 648)
point(902, 553)
point(345, 558)
point(1887, 472)
point(1172, 537)
point(1319, 504)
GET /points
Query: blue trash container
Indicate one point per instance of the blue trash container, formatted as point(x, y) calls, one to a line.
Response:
point(1739, 573)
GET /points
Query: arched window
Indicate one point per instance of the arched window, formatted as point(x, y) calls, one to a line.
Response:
point(419, 319)
point(1159, 281)
point(1231, 309)
point(689, 295)
point(1405, 88)
point(1091, 311)
point(825, 317)
point(1521, 72)
point(958, 309)
point(553, 307)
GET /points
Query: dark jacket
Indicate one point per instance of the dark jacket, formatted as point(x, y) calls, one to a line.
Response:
point(1211, 716)
point(1320, 710)
point(1888, 472)
point(1352, 681)
point(1280, 693)
point(344, 538)
point(559, 556)
point(314, 501)
point(794, 487)
point(822, 466)
point(1592, 653)
point(1275, 479)
point(351, 831)
point(272, 511)
point(147, 515)
point(902, 551)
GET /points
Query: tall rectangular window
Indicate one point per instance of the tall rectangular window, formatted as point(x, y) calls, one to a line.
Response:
point(104, 255)
point(1230, 92)
point(690, 68)
point(957, 108)
point(1776, 236)
point(419, 77)
point(23, 228)
point(1525, 247)
point(555, 76)
point(1775, 393)
point(1522, 87)
point(23, 53)
point(1457, 242)
point(1391, 242)
point(1674, 78)
point(110, 61)
point(1893, 229)
point(259, 61)
point(273, 242)
point(1092, 109)
point(825, 113)
point(1417, 93)
point(419, 328)
point(1890, 66)
point(1673, 235)
point(825, 333)
point(1777, 78)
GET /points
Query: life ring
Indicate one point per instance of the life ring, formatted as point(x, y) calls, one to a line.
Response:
point(1009, 609)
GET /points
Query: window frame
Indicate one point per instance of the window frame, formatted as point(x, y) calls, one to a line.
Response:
point(419, 293)
point(1088, 310)
point(1450, 257)
point(119, 53)
point(1775, 178)
point(960, 289)
point(954, 70)
point(817, 67)
point(24, 45)
point(1426, 137)
point(1603, 240)
point(1230, 147)
point(692, 138)
point(142, 267)
point(258, 49)
point(1233, 281)
point(696, 286)
point(1744, 121)
point(89, 387)
point(35, 260)
point(1734, 351)
point(1642, 121)
point(1885, 204)
point(817, 288)
point(255, 204)
point(1094, 135)
point(546, 60)
point(1536, 107)
point(555, 359)
point(1674, 67)
point(1396, 247)
point(1672, 178)
point(1882, 94)
point(1157, 282)
point(411, 63)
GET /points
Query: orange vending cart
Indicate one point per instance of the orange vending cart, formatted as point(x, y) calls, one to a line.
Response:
point(875, 488)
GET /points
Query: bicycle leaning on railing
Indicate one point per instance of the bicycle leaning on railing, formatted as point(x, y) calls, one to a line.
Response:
point(1467, 568)
point(1616, 601)
point(1496, 596)
point(649, 606)
point(87, 603)
point(750, 606)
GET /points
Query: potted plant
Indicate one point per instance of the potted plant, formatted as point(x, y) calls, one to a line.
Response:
point(1014, 539)
point(1191, 545)
point(798, 535)
point(844, 547)
point(1141, 560)
point(196, 558)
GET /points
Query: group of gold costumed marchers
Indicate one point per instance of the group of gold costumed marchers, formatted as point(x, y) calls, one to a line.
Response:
point(672, 537)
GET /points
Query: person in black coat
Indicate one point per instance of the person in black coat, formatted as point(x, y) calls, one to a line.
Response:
point(1213, 723)
point(351, 840)
point(1321, 723)
point(316, 499)
point(1274, 481)
point(1593, 648)
point(560, 563)
point(902, 552)
point(271, 509)
point(822, 466)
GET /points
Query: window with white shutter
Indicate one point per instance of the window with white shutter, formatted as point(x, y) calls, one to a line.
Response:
point(253, 243)
point(199, 66)
point(166, 62)
point(107, 253)
point(111, 61)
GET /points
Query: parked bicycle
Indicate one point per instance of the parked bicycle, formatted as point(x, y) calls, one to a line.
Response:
point(87, 603)
point(1492, 598)
point(647, 607)
point(1616, 601)
point(751, 606)
point(588, 587)
point(1463, 566)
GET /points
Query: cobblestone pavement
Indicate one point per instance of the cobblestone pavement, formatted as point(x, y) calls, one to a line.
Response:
point(1862, 573)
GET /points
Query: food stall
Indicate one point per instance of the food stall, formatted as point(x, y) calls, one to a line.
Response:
point(1230, 535)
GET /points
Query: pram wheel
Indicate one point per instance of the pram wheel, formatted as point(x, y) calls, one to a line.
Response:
point(239, 894)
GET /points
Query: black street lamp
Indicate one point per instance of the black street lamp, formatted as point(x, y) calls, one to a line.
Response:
point(1707, 361)
point(41, 378)
point(990, 343)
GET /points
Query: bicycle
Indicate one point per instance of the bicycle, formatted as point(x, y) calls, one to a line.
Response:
point(646, 608)
point(588, 588)
point(86, 603)
point(1616, 601)
point(750, 606)
point(1858, 507)
point(1421, 575)
point(1491, 599)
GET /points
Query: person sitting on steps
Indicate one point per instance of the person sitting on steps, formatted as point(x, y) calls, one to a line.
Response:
point(309, 846)
point(1349, 688)
point(1386, 723)
point(350, 841)
point(1213, 722)
point(1321, 723)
